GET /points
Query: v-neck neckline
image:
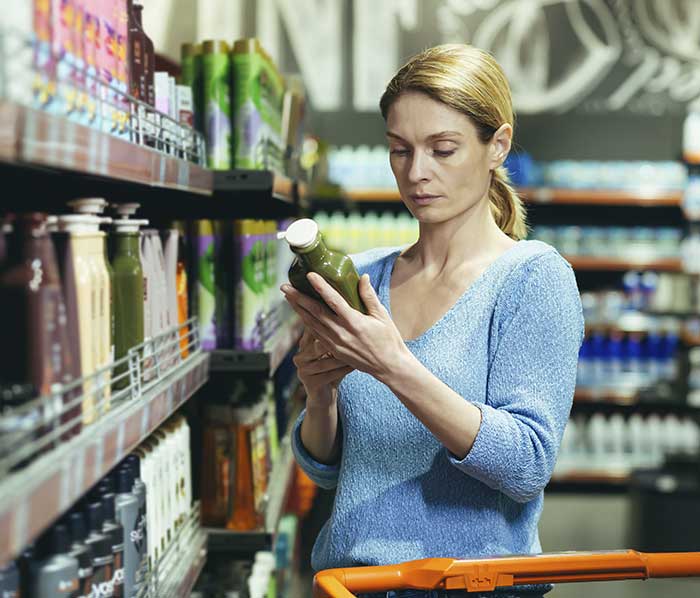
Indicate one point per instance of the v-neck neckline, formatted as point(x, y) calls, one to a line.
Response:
point(385, 289)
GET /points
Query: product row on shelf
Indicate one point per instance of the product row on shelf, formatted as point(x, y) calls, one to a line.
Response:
point(354, 232)
point(78, 311)
point(115, 539)
point(241, 265)
point(250, 116)
point(633, 243)
point(240, 446)
point(641, 293)
point(615, 443)
point(92, 63)
point(619, 361)
point(364, 167)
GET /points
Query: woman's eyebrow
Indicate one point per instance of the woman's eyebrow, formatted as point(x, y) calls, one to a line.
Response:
point(445, 134)
point(429, 137)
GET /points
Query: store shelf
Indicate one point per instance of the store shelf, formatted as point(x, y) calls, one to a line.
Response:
point(595, 481)
point(602, 197)
point(33, 497)
point(247, 543)
point(30, 137)
point(545, 195)
point(611, 264)
point(268, 360)
point(613, 397)
point(183, 587)
point(253, 194)
point(37, 147)
point(279, 487)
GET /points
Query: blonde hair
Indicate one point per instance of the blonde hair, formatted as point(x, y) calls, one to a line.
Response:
point(470, 81)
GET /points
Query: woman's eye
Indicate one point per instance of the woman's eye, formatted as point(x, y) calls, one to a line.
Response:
point(399, 152)
point(443, 153)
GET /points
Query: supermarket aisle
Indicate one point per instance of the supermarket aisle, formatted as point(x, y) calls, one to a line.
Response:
point(600, 522)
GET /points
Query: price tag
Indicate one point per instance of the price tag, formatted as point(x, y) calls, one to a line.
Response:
point(145, 416)
point(120, 440)
point(99, 457)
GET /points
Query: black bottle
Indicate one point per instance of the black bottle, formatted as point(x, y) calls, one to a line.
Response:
point(115, 531)
point(81, 551)
point(102, 557)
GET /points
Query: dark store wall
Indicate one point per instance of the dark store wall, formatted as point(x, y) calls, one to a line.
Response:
point(591, 79)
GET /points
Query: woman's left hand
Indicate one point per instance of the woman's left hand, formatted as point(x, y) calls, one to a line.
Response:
point(370, 343)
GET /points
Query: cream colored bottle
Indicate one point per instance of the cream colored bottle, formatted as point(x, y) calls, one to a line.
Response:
point(86, 286)
point(91, 207)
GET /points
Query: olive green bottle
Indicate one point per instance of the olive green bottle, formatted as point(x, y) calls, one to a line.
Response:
point(313, 255)
point(128, 287)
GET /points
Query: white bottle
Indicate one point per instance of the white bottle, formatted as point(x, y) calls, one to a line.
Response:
point(691, 134)
point(638, 441)
point(597, 432)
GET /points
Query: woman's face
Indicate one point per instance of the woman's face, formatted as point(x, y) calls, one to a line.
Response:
point(441, 167)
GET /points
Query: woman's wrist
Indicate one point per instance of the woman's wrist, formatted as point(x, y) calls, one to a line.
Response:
point(398, 369)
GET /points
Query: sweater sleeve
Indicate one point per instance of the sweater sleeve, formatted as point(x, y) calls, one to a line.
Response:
point(531, 381)
point(325, 476)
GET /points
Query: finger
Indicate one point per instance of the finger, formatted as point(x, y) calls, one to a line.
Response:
point(324, 324)
point(306, 339)
point(369, 296)
point(320, 366)
point(332, 298)
point(331, 377)
point(316, 308)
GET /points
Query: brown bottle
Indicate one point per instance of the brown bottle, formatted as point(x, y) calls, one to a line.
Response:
point(34, 314)
point(148, 66)
point(66, 268)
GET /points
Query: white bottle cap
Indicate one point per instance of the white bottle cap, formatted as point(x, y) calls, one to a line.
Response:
point(124, 210)
point(79, 223)
point(301, 233)
point(88, 205)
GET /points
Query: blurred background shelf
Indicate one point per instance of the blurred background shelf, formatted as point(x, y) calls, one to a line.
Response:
point(611, 264)
point(546, 195)
point(602, 197)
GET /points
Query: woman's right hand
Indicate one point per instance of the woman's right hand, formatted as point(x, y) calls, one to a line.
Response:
point(318, 371)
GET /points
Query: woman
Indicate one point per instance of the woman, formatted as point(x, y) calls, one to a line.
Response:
point(439, 414)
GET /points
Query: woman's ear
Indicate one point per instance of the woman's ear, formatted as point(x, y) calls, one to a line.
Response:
point(499, 145)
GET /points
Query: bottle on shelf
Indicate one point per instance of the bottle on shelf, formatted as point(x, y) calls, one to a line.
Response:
point(128, 288)
point(34, 317)
point(57, 573)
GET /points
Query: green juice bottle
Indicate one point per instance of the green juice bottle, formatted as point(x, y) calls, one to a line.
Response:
point(313, 255)
point(216, 73)
point(128, 288)
point(191, 74)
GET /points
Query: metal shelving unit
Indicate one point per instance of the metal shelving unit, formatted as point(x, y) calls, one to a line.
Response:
point(276, 348)
point(35, 495)
point(223, 540)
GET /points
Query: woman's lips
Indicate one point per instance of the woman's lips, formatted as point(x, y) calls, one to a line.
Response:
point(423, 199)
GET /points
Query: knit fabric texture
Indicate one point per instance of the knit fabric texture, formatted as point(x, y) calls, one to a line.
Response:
point(510, 346)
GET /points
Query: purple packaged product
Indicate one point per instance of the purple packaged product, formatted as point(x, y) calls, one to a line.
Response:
point(249, 285)
point(206, 291)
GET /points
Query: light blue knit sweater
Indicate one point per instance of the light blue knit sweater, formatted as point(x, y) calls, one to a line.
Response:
point(510, 346)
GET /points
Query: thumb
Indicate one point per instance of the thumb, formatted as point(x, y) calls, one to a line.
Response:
point(368, 296)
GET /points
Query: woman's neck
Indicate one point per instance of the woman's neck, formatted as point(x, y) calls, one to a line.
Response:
point(472, 237)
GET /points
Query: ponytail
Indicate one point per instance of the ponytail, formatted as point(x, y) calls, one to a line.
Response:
point(507, 208)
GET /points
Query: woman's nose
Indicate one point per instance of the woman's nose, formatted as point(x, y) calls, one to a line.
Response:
point(419, 168)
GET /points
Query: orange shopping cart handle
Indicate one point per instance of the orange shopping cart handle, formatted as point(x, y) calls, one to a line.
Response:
point(487, 574)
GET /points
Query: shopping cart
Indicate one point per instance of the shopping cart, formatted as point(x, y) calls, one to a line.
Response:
point(487, 574)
